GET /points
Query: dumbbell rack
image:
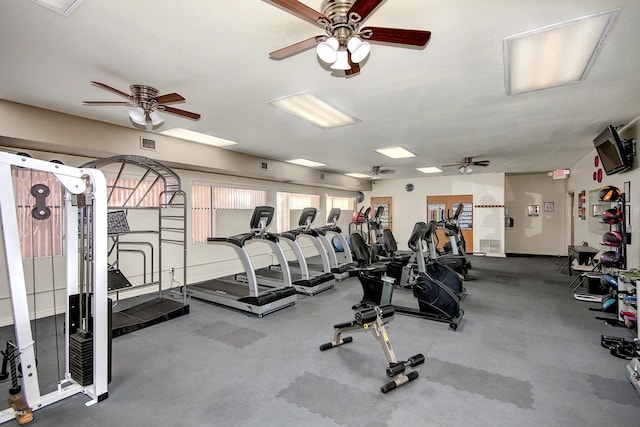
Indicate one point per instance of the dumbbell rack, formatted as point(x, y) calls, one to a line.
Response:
point(621, 227)
point(628, 282)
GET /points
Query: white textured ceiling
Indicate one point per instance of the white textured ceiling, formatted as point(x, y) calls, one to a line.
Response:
point(443, 102)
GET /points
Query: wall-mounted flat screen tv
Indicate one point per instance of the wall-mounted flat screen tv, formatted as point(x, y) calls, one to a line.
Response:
point(612, 151)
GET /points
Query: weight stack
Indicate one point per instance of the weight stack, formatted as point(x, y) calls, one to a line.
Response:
point(81, 359)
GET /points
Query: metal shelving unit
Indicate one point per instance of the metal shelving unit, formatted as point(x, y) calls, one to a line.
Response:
point(133, 191)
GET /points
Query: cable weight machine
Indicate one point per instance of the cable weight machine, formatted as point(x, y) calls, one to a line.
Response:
point(84, 251)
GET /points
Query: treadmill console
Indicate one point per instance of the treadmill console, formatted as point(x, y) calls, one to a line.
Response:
point(334, 215)
point(307, 216)
point(261, 218)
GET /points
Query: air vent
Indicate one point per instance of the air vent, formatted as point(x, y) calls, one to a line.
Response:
point(490, 246)
point(264, 166)
point(147, 144)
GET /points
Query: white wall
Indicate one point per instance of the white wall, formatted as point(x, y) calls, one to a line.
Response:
point(411, 207)
point(581, 178)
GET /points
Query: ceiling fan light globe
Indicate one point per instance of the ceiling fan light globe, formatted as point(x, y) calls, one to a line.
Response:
point(137, 116)
point(155, 118)
point(359, 49)
point(468, 170)
point(327, 50)
point(461, 169)
point(342, 61)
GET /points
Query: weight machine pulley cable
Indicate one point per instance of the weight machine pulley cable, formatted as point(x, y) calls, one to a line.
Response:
point(53, 282)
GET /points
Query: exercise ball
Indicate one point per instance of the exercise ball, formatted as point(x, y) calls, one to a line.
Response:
point(337, 244)
point(358, 218)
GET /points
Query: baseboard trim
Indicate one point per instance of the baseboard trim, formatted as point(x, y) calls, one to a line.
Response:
point(511, 254)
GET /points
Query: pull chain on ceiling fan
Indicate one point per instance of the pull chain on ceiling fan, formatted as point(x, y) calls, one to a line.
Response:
point(345, 44)
point(146, 103)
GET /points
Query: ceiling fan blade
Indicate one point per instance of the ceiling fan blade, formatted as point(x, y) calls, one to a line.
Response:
point(363, 8)
point(454, 164)
point(111, 89)
point(387, 171)
point(300, 10)
point(396, 35)
point(169, 98)
point(296, 48)
point(183, 113)
point(355, 67)
point(106, 103)
point(481, 163)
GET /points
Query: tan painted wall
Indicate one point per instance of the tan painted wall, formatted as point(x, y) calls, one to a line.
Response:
point(539, 235)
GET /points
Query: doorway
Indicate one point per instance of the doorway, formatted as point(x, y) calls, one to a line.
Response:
point(386, 220)
point(441, 208)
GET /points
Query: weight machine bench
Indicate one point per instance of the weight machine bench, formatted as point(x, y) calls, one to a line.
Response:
point(374, 319)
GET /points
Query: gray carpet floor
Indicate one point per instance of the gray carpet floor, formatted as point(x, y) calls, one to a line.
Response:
point(525, 354)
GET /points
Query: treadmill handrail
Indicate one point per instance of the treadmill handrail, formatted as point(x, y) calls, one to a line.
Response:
point(238, 240)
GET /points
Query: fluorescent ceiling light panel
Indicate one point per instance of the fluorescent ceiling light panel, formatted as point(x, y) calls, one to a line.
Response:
point(357, 175)
point(308, 107)
point(305, 162)
point(63, 7)
point(430, 169)
point(395, 152)
point(198, 137)
point(555, 55)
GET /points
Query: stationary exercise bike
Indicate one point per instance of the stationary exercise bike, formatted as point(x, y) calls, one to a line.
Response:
point(436, 300)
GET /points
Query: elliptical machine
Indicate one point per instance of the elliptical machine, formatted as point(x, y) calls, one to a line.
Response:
point(455, 248)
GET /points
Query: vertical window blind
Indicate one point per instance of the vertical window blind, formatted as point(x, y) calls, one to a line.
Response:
point(206, 199)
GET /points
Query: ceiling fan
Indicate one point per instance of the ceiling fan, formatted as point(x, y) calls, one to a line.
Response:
point(345, 44)
point(464, 166)
point(145, 102)
point(378, 171)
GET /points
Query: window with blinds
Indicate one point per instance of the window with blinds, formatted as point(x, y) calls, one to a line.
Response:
point(343, 203)
point(133, 193)
point(206, 199)
point(288, 202)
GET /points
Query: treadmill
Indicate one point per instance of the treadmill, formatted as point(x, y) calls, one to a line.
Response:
point(339, 267)
point(248, 296)
point(305, 280)
point(321, 264)
point(326, 261)
point(297, 275)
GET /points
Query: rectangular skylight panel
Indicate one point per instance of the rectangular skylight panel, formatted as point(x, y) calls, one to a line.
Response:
point(200, 138)
point(430, 169)
point(306, 162)
point(63, 7)
point(310, 108)
point(555, 55)
point(395, 152)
